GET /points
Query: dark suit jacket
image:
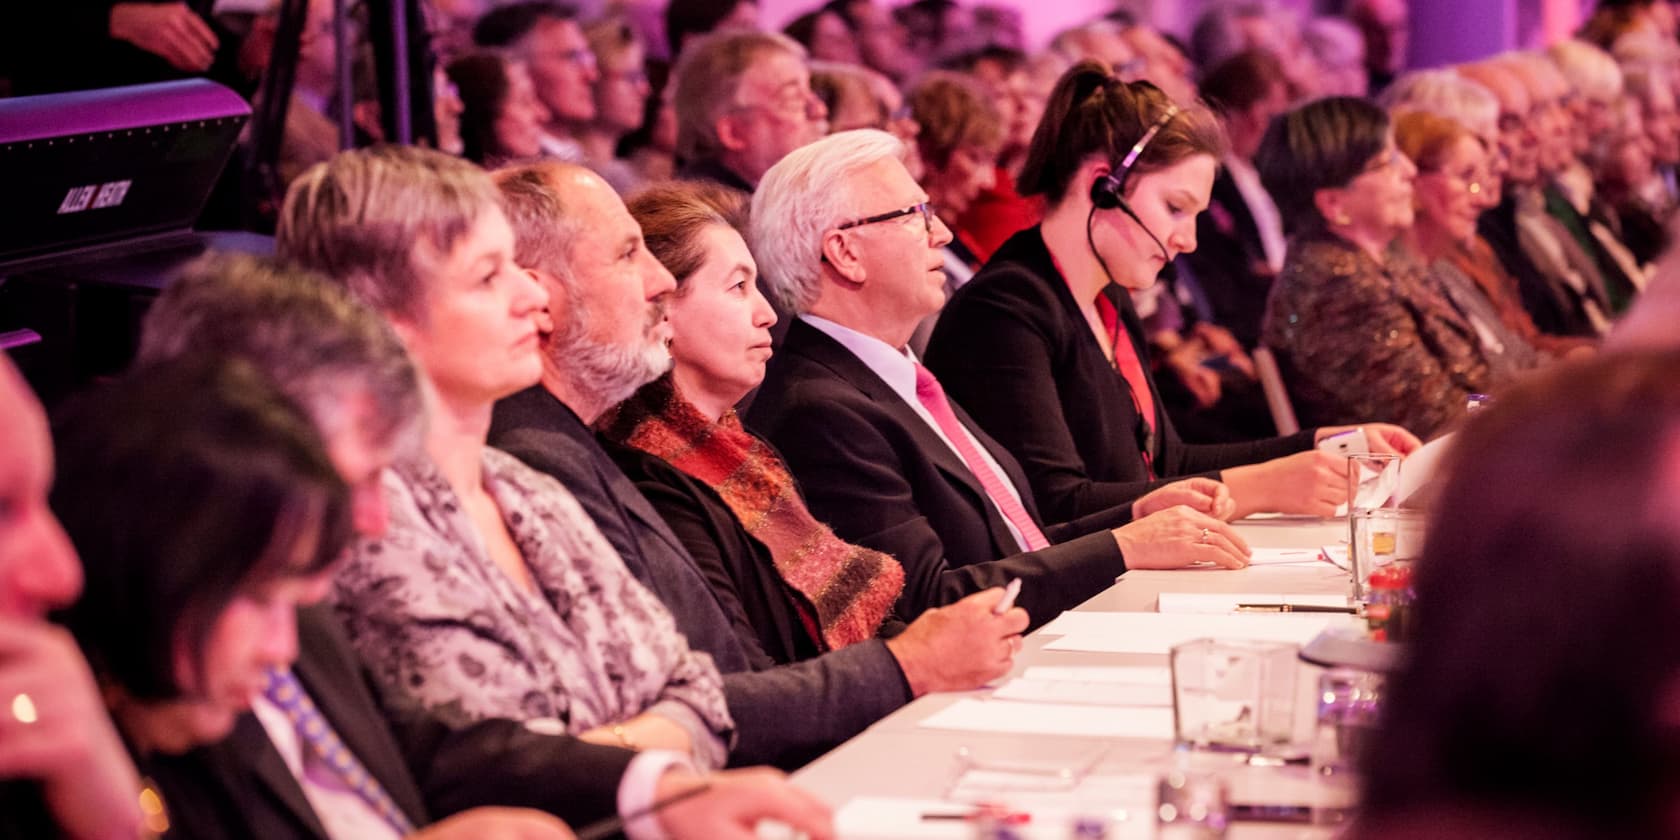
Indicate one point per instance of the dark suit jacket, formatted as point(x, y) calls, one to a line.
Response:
point(241, 787)
point(875, 472)
point(1555, 309)
point(1227, 253)
point(1013, 347)
point(786, 712)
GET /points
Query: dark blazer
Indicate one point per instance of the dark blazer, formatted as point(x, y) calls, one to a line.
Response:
point(1556, 309)
point(1013, 347)
point(876, 473)
point(786, 712)
point(738, 565)
point(241, 787)
point(1226, 260)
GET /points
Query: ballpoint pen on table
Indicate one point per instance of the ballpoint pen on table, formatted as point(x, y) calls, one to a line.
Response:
point(1300, 608)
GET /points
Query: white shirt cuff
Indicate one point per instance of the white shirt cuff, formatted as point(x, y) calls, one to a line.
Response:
point(636, 790)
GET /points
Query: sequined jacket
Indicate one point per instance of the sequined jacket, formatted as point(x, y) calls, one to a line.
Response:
point(1359, 341)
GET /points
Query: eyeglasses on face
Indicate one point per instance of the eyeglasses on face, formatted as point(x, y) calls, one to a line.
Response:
point(925, 208)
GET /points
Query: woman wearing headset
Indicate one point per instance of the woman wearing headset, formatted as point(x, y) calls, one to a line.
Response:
point(1043, 347)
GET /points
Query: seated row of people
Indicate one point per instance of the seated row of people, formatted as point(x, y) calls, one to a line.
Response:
point(488, 600)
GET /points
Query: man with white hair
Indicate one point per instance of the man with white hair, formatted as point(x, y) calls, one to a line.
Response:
point(608, 338)
point(852, 247)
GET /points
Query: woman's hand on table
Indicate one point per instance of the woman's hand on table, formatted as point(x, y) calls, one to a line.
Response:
point(1203, 494)
point(1312, 483)
point(1179, 537)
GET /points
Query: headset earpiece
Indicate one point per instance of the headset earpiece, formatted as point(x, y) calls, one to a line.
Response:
point(1105, 192)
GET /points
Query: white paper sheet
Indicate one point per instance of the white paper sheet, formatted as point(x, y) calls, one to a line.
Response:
point(1076, 622)
point(1284, 556)
point(1101, 673)
point(884, 818)
point(1225, 603)
point(1084, 693)
point(1054, 719)
point(1157, 633)
point(1422, 467)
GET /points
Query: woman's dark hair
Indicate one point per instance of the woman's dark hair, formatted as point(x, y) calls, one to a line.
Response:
point(1541, 673)
point(481, 77)
point(182, 485)
point(1092, 112)
point(1323, 144)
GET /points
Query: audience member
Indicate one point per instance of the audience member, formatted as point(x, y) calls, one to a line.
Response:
point(1612, 19)
point(1240, 241)
point(66, 772)
point(341, 363)
point(999, 211)
point(311, 134)
point(825, 35)
point(102, 43)
point(608, 339)
point(1337, 51)
point(1558, 282)
point(882, 455)
point(1571, 202)
point(547, 36)
point(1473, 108)
point(1046, 322)
point(882, 42)
point(961, 134)
point(1447, 199)
point(501, 115)
point(1387, 27)
point(743, 100)
point(483, 555)
point(731, 498)
point(622, 92)
point(1358, 327)
point(1487, 735)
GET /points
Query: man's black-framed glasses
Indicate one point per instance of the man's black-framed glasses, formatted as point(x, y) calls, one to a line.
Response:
point(925, 208)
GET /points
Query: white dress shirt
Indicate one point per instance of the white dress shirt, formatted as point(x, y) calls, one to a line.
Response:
point(897, 368)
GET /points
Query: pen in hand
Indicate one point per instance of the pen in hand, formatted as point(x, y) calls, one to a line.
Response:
point(1010, 591)
point(613, 826)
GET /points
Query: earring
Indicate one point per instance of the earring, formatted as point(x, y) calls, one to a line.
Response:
point(1344, 219)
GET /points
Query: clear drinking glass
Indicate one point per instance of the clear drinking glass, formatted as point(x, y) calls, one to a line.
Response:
point(1233, 695)
point(1348, 704)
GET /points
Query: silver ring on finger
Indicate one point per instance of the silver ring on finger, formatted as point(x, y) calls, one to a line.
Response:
point(1204, 537)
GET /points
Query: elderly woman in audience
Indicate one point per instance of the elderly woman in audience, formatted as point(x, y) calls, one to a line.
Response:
point(1625, 169)
point(492, 594)
point(621, 97)
point(1469, 106)
point(501, 116)
point(727, 494)
point(65, 771)
point(1447, 198)
point(1046, 353)
point(1485, 734)
point(1358, 327)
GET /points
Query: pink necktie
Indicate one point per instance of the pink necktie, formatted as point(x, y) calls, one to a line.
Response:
point(932, 397)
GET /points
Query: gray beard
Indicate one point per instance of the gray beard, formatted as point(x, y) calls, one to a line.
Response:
point(608, 374)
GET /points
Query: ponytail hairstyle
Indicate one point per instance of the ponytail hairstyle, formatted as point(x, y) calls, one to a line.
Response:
point(1093, 112)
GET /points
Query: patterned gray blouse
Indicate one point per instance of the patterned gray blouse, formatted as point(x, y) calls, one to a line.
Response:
point(439, 624)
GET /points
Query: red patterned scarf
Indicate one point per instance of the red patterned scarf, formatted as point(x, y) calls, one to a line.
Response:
point(852, 587)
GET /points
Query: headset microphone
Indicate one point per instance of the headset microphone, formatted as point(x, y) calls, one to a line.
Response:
point(1107, 191)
